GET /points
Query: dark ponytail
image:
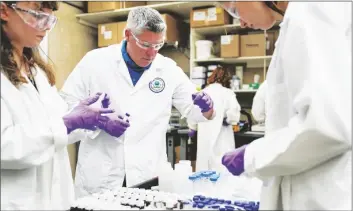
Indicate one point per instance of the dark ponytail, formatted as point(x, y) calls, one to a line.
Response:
point(273, 6)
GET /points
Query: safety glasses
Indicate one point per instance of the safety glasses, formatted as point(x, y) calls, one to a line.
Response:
point(230, 8)
point(38, 20)
point(146, 45)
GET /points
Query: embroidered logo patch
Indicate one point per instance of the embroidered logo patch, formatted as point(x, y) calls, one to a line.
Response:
point(157, 85)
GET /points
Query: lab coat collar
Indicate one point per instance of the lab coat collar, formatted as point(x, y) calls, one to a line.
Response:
point(157, 62)
point(147, 76)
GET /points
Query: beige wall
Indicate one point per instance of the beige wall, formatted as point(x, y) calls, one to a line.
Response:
point(182, 61)
point(69, 41)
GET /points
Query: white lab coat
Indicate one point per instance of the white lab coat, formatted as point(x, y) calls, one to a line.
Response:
point(214, 139)
point(35, 167)
point(258, 109)
point(104, 160)
point(305, 157)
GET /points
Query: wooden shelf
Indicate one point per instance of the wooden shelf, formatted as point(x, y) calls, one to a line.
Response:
point(234, 60)
point(218, 30)
point(224, 29)
point(245, 91)
point(181, 9)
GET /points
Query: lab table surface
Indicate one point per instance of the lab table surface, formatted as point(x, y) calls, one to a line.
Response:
point(188, 147)
point(179, 137)
point(242, 138)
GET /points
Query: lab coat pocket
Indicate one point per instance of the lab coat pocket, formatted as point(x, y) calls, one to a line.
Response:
point(95, 169)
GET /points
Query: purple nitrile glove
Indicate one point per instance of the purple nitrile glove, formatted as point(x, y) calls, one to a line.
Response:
point(225, 123)
point(114, 125)
point(106, 101)
point(202, 100)
point(191, 133)
point(234, 160)
point(84, 116)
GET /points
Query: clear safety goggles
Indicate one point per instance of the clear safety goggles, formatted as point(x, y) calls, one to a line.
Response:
point(230, 8)
point(35, 19)
point(146, 45)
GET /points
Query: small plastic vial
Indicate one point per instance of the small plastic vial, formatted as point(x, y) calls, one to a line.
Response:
point(149, 200)
point(140, 204)
point(169, 205)
point(192, 178)
point(126, 119)
point(186, 205)
point(220, 201)
point(214, 207)
point(200, 205)
point(228, 202)
point(229, 208)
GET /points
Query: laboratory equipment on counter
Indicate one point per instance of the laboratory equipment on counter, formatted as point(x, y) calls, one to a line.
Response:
point(182, 181)
point(140, 199)
point(175, 119)
point(259, 127)
point(180, 189)
point(235, 83)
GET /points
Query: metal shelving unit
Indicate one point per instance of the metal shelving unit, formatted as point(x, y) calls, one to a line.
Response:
point(215, 31)
point(182, 10)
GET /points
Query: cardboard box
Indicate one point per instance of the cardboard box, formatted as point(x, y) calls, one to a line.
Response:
point(249, 73)
point(121, 27)
point(172, 34)
point(252, 45)
point(110, 33)
point(213, 16)
point(157, 2)
point(128, 4)
point(230, 46)
point(100, 6)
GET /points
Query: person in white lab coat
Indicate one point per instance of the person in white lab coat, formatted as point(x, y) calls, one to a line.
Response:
point(143, 84)
point(216, 137)
point(305, 156)
point(258, 109)
point(35, 168)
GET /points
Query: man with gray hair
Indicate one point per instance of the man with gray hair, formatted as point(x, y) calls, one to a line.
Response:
point(143, 85)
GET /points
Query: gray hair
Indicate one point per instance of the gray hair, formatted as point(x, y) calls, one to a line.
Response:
point(145, 18)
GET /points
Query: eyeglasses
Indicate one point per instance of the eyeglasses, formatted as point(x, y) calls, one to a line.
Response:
point(147, 45)
point(38, 20)
point(229, 8)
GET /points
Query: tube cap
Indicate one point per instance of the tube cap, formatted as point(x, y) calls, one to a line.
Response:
point(214, 206)
point(221, 201)
point(200, 205)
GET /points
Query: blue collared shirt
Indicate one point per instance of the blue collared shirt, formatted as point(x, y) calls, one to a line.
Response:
point(135, 71)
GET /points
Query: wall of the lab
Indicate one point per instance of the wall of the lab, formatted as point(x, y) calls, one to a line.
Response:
point(68, 42)
point(180, 58)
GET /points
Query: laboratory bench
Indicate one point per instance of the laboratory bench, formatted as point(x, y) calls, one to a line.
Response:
point(242, 138)
point(179, 137)
point(188, 147)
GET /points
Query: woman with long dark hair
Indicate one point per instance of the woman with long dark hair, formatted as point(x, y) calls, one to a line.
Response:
point(35, 123)
point(216, 137)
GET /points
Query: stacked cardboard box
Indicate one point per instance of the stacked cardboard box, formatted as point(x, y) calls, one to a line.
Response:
point(100, 6)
